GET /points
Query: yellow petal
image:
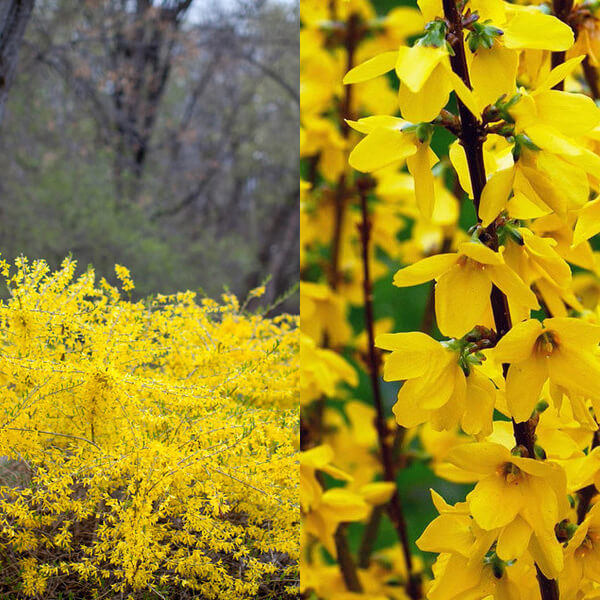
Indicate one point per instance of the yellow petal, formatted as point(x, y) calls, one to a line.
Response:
point(577, 334)
point(459, 161)
point(524, 383)
point(479, 457)
point(416, 64)
point(495, 195)
point(578, 372)
point(536, 30)
point(571, 114)
point(407, 410)
point(378, 492)
point(464, 93)
point(455, 317)
point(341, 505)
point(368, 124)
point(517, 345)
point(425, 269)
point(494, 503)
point(419, 166)
point(425, 104)
point(374, 67)
point(447, 533)
point(411, 356)
point(480, 253)
point(588, 222)
point(547, 553)
point(479, 405)
point(513, 539)
point(381, 148)
point(493, 73)
point(559, 73)
point(512, 286)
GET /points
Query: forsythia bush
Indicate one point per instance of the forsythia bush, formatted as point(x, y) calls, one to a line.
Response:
point(147, 449)
point(464, 150)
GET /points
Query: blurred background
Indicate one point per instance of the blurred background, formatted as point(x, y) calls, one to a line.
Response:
point(157, 134)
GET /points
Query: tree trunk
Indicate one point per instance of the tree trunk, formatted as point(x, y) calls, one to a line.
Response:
point(14, 16)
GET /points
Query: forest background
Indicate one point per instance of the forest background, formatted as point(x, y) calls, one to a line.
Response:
point(157, 134)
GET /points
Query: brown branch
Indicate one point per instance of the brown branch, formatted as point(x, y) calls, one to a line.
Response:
point(561, 10)
point(591, 77)
point(472, 137)
point(587, 493)
point(394, 507)
point(345, 561)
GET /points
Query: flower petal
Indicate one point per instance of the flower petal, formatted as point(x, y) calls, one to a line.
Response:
point(517, 344)
point(374, 67)
point(455, 317)
point(425, 269)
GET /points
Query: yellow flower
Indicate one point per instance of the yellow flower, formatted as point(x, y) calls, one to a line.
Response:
point(436, 388)
point(561, 349)
point(390, 140)
point(523, 496)
point(463, 285)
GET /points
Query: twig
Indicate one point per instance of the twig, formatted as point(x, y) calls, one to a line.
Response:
point(394, 506)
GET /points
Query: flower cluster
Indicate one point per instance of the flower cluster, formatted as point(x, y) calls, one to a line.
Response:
point(145, 447)
point(455, 144)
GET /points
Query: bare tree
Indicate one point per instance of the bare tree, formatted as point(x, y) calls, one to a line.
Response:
point(14, 15)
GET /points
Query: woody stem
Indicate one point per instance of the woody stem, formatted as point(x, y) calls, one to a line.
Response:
point(472, 138)
point(394, 507)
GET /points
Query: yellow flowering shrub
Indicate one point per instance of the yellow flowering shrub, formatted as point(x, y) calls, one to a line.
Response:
point(450, 300)
point(147, 449)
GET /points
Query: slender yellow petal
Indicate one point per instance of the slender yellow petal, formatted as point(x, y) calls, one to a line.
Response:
point(416, 64)
point(512, 286)
point(368, 124)
point(425, 104)
point(524, 383)
point(458, 159)
point(464, 93)
point(547, 553)
point(535, 30)
point(425, 269)
point(579, 334)
point(513, 539)
point(479, 457)
point(571, 114)
point(419, 166)
point(382, 147)
point(517, 344)
point(374, 67)
point(407, 410)
point(558, 74)
point(495, 195)
point(481, 253)
point(588, 222)
point(455, 316)
point(493, 73)
point(447, 533)
point(492, 491)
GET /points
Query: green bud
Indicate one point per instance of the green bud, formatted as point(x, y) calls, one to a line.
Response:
point(424, 132)
point(482, 35)
point(435, 34)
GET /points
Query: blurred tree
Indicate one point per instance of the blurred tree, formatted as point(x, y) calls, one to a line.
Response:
point(14, 15)
point(163, 135)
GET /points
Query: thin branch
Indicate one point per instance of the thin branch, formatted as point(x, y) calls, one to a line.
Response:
point(394, 506)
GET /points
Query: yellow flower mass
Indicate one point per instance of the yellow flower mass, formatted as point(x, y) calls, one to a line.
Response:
point(146, 445)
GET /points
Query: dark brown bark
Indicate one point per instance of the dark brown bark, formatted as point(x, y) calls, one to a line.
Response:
point(14, 16)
